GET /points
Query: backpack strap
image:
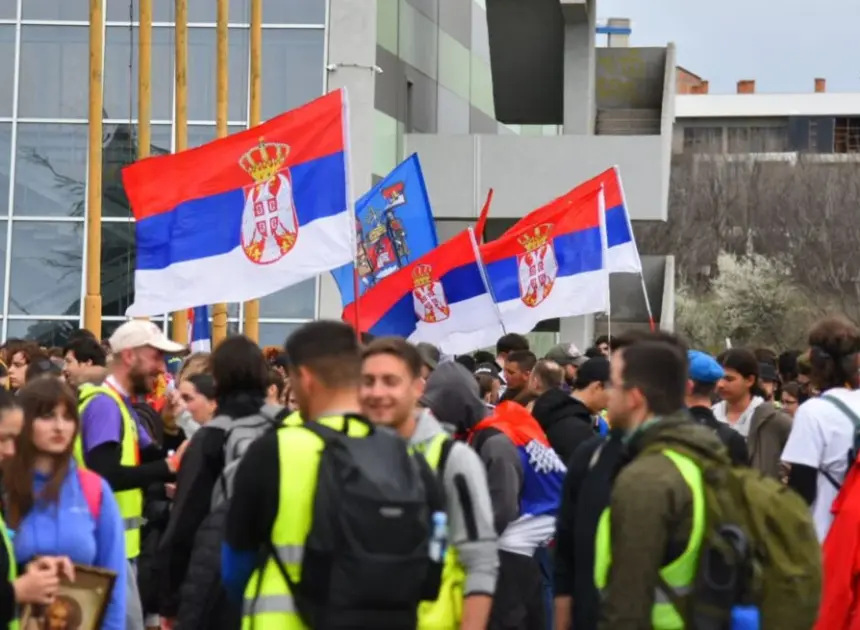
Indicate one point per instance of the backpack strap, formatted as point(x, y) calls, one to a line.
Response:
point(445, 451)
point(855, 420)
point(91, 484)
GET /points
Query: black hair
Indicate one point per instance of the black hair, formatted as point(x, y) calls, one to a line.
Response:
point(8, 401)
point(834, 343)
point(703, 390)
point(238, 365)
point(42, 366)
point(329, 349)
point(787, 364)
point(603, 339)
point(467, 362)
point(81, 333)
point(511, 342)
point(744, 362)
point(482, 356)
point(593, 352)
point(204, 384)
point(659, 371)
point(632, 337)
point(86, 349)
point(526, 359)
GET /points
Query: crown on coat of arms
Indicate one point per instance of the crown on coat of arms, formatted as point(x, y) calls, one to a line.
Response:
point(265, 160)
point(422, 275)
point(393, 191)
point(536, 237)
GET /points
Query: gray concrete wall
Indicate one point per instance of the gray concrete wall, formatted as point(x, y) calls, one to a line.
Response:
point(351, 58)
point(527, 172)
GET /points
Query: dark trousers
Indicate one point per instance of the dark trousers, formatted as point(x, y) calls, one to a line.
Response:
point(543, 556)
point(518, 603)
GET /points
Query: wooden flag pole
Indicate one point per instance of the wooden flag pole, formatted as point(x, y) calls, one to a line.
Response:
point(180, 318)
point(219, 311)
point(93, 297)
point(252, 308)
point(144, 81)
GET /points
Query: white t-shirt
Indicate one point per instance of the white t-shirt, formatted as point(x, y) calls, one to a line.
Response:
point(821, 437)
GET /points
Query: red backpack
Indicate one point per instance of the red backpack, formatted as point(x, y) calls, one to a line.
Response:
point(91, 484)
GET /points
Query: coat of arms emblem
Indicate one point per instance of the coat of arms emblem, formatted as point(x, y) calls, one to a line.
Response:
point(384, 248)
point(270, 226)
point(428, 296)
point(537, 266)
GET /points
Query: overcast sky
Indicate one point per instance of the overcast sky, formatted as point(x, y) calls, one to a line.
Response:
point(782, 44)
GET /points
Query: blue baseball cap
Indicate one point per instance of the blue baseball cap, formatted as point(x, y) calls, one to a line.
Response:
point(704, 368)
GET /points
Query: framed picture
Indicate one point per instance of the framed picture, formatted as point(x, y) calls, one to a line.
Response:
point(78, 606)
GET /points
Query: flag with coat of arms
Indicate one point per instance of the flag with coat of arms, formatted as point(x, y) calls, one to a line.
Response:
point(244, 216)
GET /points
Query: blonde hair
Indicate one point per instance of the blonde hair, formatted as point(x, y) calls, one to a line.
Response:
point(196, 363)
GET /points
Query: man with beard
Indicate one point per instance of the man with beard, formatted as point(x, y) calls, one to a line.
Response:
point(114, 443)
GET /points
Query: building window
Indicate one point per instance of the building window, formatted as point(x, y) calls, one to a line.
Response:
point(757, 139)
point(703, 139)
point(846, 135)
point(410, 105)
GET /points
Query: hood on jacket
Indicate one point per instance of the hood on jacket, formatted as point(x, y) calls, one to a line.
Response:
point(556, 405)
point(679, 429)
point(452, 394)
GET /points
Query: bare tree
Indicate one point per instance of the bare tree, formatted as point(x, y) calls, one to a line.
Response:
point(799, 213)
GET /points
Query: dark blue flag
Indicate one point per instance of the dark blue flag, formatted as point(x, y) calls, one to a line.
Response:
point(394, 226)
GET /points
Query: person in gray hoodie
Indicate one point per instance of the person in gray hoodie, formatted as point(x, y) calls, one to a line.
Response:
point(452, 394)
point(391, 388)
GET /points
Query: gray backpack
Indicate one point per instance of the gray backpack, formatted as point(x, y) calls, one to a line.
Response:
point(240, 433)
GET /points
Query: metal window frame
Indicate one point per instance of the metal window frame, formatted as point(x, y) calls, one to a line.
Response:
point(16, 119)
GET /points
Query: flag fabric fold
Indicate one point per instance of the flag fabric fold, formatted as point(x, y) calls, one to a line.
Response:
point(551, 264)
point(244, 216)
point(434, 299)
point(481, 224)
point(199, 329)
point(622, 255)
point(393, 226)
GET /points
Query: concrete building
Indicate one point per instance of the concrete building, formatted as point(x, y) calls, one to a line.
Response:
point(817, 124)
point(512, 95)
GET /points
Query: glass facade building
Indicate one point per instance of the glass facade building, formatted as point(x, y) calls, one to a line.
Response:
point(43, 144)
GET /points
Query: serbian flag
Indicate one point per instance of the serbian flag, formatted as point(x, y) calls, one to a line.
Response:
point(622, 255)
point(199, 331)
point(552, 265)
point(434, 299)
point(543, 470)
point(244, 216)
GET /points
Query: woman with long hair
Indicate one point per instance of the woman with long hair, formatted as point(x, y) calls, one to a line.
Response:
point(55, 507)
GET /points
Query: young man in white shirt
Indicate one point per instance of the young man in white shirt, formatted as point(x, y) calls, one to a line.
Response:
point(822, 435)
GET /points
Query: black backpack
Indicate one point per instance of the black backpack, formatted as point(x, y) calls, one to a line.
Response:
point(366, 560)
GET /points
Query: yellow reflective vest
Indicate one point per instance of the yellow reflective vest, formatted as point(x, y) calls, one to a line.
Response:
point(447, 611)
point(268, 603)
point(130, 501)
point(12, 571)
point(678, 574)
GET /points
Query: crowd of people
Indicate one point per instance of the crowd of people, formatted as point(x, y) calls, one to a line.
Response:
point(348, 482)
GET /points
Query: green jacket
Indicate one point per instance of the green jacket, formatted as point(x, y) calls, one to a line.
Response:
point(651, 520)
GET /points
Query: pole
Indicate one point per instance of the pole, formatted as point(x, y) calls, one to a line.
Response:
point(219, 311)
point(252, 308)
point(180, 318)
point(144, 81)
point(93, 298)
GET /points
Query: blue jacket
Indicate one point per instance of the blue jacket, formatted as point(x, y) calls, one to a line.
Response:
point(68, 528)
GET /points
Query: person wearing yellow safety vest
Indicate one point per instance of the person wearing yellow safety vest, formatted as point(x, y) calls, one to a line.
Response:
point(391, 386)
point(112, 441)
point(275, 488)
point(41, 580)
point(648, 540)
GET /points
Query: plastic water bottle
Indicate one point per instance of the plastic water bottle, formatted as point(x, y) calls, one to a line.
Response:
point(439, 537)
point(746, 618)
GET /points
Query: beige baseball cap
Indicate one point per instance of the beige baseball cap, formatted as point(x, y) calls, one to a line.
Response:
point(139, 333)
